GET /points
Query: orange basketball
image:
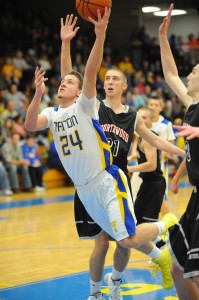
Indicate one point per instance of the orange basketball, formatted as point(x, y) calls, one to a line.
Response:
point(88, 8)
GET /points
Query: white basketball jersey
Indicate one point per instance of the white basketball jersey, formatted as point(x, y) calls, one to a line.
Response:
point(164, 129)
point(79, 139)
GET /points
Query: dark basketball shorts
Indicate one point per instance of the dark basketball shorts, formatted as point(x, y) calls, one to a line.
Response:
point(183, 240)
point(149, 200)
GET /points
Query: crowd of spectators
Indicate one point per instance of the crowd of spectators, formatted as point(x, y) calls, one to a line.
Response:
point(29, 41)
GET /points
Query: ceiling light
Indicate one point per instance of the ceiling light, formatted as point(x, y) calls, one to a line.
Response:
point(175, 12)
point(149, 9)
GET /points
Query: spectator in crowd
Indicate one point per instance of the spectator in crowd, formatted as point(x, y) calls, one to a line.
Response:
point(8, 67)
point(6, 130)
point(15, 163)
point(30, 153)
point(178, 108)
point(137, 98)
point(128, 99)
point(9, 111)
point(78, 62)
point(4, 180)
point(19, 98)
point(5, 81)
point(126, 66)
point(20, 62)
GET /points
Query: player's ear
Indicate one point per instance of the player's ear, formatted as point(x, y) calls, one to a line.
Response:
point(78, 93)
point(125, 86)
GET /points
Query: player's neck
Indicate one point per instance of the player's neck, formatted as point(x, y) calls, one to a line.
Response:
point(156, 118)
point(116, 105)
point(66, 103)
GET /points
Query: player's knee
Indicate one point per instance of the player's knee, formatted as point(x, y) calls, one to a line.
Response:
point(125, 252)
point(129, 242)
point(102, 243)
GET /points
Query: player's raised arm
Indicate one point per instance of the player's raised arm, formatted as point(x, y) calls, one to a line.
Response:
point(33, 120)
point(168, 63)
point(67, 33)
point(95, 57)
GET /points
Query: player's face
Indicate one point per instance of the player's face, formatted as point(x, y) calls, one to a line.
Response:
point(68, 89)
point(146, 116)
point(114, 84)
point(193, 82)
point(155, 106)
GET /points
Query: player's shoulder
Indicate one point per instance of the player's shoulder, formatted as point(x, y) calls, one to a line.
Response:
point(164, 120)
point(131, 110)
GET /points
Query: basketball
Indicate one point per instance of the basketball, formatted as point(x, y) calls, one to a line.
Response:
point(88, 8)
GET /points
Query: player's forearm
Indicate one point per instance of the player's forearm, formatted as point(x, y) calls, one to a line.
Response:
point(66, 63)
point(168, 63)
point(163, 145)
point(180, 172)
point(95, 57)
point(32, 113)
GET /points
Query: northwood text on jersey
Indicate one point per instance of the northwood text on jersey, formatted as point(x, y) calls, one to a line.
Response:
point(117, 130)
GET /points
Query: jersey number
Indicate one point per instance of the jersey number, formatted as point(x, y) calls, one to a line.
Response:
point(114, 144)
point(74, 140)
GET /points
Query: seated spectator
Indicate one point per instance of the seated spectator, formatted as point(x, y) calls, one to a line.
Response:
point(44, 62)
point(8, 67)
point(20, 62)
point(19, 98)
point(4, 181)
point(126, 65)
point(9, 111)
point(128, 99)
point(30, 153)
point(137, 98)
point(77, 62)
point(177, 108)
point(15, 163)
point(46, 99)
point(5, 81)
point(6, 130)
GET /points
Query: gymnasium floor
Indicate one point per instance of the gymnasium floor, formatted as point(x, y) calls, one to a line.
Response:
point(42, 258)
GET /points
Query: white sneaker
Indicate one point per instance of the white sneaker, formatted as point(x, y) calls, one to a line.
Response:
point(7, 192)
point(40, 189)
point(97, 296)
point(114, 287)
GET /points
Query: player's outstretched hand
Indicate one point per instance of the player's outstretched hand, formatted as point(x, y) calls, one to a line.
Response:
point(68, 30)
point(102, 22)
point(40, 80)
point(166, 21)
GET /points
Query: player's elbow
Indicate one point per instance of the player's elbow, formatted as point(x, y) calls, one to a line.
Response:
point(29, 127)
